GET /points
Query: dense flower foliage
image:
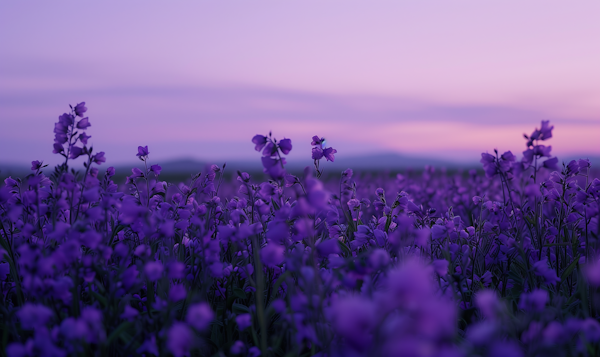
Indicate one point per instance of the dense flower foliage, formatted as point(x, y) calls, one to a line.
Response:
point(428, 265)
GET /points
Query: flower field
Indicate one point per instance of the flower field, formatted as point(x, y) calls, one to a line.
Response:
point(502, 262)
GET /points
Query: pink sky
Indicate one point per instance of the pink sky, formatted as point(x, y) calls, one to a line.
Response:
point(198, 79)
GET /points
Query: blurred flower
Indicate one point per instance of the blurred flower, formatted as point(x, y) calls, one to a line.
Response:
point(542, 269)
point(354, 320)
point(33, 316)
point(130, 313)
point(177, 292)
point(199, 316)
point(534, 301)
point(179, 339)
point(237, 348)
point(488, 303)
point(441, 266)
point(153, 270)
point(243, 321)
point(329, 246)
point(592, 273)
point(551, 164)
point(272, 255)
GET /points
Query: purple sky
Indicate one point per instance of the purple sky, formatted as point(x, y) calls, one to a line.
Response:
point(198, 79)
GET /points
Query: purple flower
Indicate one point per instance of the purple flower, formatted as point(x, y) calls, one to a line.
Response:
point(592, 273)
point(58, 148)
point(317, 153)
point(200, 316)
point(129, 276)
point(584, 165)
point(177, 292)
point(272, 255)
point(130, 313)
point(534, 301)
point(80, 109)
point(328, 154)
point(135, 173)
point(237, 348)
point(156, 169)
point(34, 316)
point(278, 231)
point(379, 259)
point(354, 318)
point(542, 269)
point(528, 156)
point(542, 150)
point(110, 172)
point(142, 152)
point(91, 239)
point(505, 349)
point(75, 152)
point(243, 321)
point(329, 246)
point(273, 168)
point(488, 303)
point(441, 266)
point(269, 162)
point(545, 132)
point(267, 190)
point(286, 146)
point(41, 344)
point(84, 124)
point(36, 165)
point(149, 346)
point(508, 156)
point(551, 164)
point(591, 329)
point(65, 120)
point(260, 142)
point(176, 270)
point(153, 270)
point(290, 180)
point(555, 333)
point(254, 352)
point(99, 158)
point(84, 138)
point(270, 149)
point(489, 164)
point(179, 339)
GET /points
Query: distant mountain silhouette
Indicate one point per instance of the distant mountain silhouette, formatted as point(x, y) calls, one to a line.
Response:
point(382, 161)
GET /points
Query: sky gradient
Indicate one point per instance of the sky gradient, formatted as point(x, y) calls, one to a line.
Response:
point(197, 79)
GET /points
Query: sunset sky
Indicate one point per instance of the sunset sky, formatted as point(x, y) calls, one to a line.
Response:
point(197, 79)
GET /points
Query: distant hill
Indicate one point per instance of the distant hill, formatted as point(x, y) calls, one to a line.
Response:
point(383, 161)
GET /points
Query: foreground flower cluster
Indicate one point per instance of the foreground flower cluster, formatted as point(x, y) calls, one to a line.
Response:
point(418, 265)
